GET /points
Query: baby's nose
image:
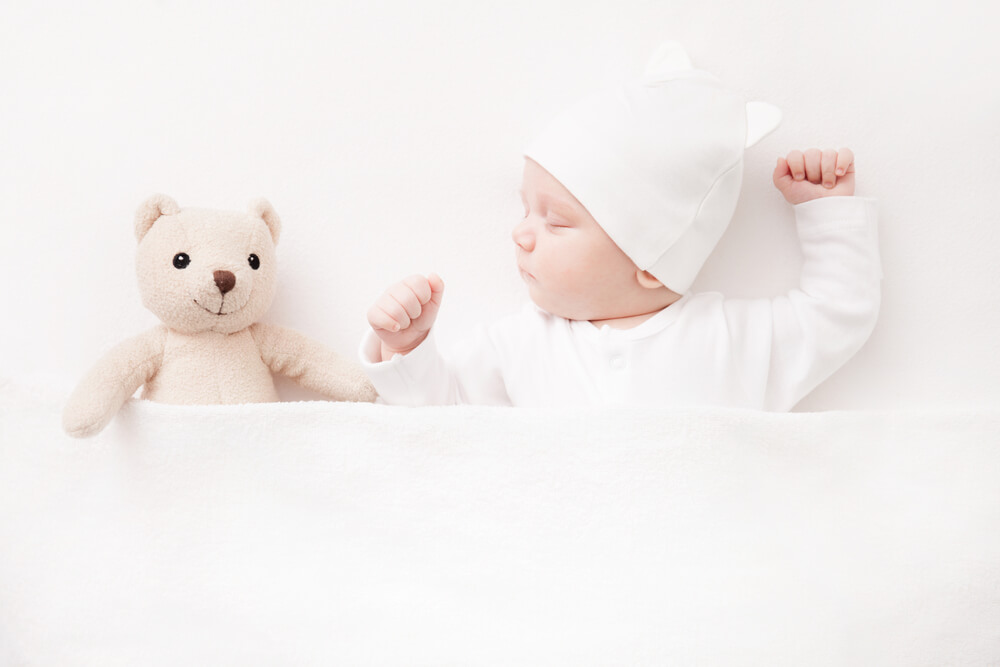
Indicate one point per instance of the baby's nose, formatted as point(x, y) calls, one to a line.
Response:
point(523, 237)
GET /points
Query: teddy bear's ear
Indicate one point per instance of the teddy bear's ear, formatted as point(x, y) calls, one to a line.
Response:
point(262, 209)
point(150, 211)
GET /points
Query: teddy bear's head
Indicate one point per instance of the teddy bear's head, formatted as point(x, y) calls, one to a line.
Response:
point(206, 270)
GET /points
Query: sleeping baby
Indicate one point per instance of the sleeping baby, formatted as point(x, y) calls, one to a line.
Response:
point(625, 196)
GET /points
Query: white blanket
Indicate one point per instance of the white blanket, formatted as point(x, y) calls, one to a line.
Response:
point(319, 534)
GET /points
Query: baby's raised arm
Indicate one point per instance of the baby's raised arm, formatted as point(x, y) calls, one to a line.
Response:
point(807, 334)
point(405, 313)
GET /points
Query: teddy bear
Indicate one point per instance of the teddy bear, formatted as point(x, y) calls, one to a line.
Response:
point(208, 275)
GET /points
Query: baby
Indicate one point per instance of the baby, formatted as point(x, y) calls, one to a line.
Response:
point(625, 196)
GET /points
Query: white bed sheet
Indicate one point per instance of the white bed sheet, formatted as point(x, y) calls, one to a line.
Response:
point(319, 533)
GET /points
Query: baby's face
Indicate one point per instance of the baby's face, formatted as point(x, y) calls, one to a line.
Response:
point(571, 266)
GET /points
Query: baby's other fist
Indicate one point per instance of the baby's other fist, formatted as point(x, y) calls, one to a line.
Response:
point(801, 177)
point(405, 313)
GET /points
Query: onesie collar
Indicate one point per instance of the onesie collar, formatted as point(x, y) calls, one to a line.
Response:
point(650, 327)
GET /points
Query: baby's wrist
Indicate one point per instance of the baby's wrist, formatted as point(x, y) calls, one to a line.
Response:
point(805, 200)
point(388, 351)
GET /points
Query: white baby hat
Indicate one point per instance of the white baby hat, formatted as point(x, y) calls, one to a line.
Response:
point(658, 162)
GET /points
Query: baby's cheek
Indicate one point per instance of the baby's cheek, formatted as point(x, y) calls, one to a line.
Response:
point(595, 270)
point(566, 273)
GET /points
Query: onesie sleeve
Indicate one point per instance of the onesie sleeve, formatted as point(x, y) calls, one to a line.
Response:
point(804, 336)
point(471, 374)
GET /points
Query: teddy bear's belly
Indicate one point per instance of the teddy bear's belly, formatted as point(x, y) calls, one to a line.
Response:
point(211, 368)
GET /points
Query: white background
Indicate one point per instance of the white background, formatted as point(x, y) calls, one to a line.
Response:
point(388, 135)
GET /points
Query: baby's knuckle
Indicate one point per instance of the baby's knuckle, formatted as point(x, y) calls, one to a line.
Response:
point(422, 292)
point(393, 306)
point(406, 310)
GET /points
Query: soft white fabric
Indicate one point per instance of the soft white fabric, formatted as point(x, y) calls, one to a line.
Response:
point(658, 161)
point(702, 350)
point(347, 534)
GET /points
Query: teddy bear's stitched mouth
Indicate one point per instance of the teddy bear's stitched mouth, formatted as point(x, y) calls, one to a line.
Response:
point(220, 313)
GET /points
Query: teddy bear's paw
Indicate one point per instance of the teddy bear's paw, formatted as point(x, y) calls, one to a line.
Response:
point(82, 423)
point(366, 393)
point(357, 387)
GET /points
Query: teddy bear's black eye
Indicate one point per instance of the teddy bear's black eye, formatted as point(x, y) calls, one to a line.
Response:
point(254, 262)
point(181, 260)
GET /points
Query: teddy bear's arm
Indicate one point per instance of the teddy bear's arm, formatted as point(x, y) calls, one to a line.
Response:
point(311, 364)
point(112, 381)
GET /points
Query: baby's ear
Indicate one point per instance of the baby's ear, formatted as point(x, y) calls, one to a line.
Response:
point(647, 279)
point(261, 208)
point(150, 211)
point(762, 120)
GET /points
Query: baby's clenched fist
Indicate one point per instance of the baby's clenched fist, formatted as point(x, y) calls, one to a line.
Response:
point(405, 313)
point(801, 177)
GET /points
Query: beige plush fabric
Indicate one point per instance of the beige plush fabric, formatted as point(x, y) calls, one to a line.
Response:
point(208, 275)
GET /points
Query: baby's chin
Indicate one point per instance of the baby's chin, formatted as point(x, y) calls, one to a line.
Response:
point(567, 310)
point(591, 311)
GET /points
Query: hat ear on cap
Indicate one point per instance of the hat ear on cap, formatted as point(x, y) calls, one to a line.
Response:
point(669, 59)
point(762, 120)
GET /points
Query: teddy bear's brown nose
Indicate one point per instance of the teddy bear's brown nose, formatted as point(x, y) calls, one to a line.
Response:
point(224, 280)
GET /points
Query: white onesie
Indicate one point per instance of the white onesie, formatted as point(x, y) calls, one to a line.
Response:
point(701, 350)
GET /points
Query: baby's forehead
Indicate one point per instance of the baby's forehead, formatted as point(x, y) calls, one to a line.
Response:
point(551, 195)
point(540, 184)
point(561, 204)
